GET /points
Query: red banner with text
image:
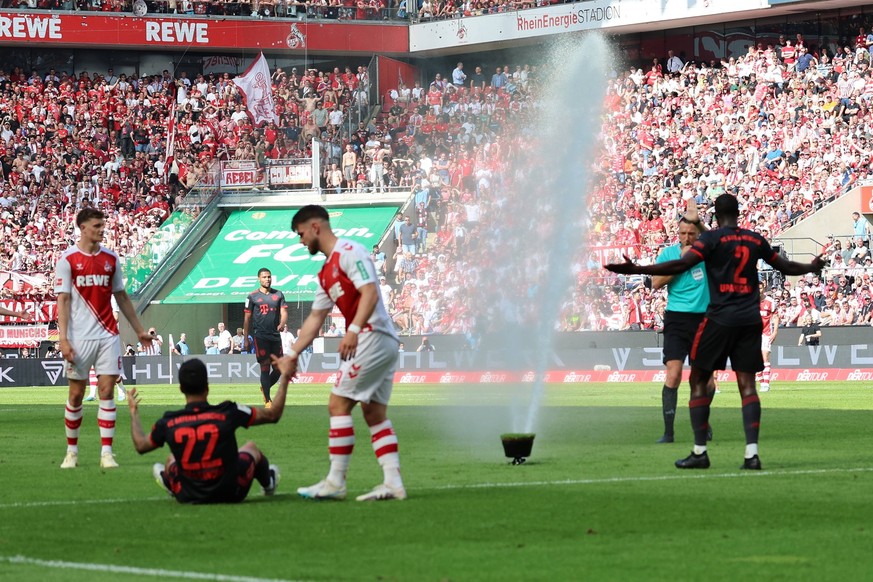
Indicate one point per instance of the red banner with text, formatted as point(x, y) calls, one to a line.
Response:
point(41, 311)
point(124, 31)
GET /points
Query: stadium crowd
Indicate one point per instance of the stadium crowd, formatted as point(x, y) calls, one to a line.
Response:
point(785, 130)
point(319, 9)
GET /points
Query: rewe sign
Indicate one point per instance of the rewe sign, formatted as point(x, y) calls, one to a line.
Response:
point(174, 31)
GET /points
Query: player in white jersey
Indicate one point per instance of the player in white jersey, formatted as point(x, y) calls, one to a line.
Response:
point(87, 276)
point(368, 351)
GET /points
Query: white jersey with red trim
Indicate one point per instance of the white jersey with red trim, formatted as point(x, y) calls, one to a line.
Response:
point(347, 269)
point(90, 280)
point(768, 308)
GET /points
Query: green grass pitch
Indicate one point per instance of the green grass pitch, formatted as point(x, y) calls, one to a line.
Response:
point(597, 500)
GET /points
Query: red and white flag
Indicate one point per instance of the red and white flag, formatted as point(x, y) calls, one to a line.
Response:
point(257, 90)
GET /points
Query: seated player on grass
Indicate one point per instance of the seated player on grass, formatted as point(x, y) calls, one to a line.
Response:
point(205, 465)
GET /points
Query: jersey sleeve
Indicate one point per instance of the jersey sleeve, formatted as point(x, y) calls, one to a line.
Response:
point(322, 300)
point(703, 246)
point(63, 276)
point(240, 414)
point(248, 306)
point(117, 277)
point(158, 436)
point(359, 267)
point(767, 251)
point(281, 303)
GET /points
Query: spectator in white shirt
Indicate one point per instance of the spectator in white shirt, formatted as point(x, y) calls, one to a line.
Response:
point(225, 340)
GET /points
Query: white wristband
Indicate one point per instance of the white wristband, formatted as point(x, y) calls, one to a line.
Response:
point(354, 328)
point(292, 353)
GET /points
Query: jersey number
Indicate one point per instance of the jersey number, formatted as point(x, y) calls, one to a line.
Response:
point(742, 255)
point(204, 432)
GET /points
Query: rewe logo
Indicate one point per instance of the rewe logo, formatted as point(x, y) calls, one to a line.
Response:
point(177, 32)
point(53, 370)
point(92, 281)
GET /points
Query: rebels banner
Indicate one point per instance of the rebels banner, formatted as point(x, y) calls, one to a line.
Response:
point(241, 174)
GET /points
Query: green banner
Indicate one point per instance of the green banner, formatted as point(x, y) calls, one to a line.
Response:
point(139, 268)
point(250, 240)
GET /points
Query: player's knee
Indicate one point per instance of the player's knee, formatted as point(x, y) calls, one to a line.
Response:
point(374, 413)
point(251, 448)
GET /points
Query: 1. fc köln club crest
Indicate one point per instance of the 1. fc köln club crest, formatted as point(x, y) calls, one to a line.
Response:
point(295, 38)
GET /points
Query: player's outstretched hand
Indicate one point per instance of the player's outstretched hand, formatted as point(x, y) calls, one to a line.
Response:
point(692, 214)
point(132, 400)
point(286, 365)
point(625, 268)
point(819, 263)
point(145, 338)
point(23, 316)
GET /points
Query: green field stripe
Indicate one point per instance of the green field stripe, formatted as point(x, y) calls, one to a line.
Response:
point(115, 569)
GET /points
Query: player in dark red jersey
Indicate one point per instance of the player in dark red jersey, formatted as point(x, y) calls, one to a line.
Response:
point(205, 465)
point(732, 326)
point(368, 349)
point(265, 314)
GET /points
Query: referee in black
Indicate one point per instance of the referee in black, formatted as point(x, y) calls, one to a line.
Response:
point(687, 300)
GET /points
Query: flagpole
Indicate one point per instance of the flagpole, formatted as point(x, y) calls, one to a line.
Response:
point(170, 354)
point(171, 141)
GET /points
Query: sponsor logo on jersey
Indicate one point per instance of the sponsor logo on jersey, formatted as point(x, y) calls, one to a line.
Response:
point(335, 291)
point(362, 270)
point(92, 281)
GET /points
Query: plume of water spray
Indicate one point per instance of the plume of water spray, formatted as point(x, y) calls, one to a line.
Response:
point(527, 271)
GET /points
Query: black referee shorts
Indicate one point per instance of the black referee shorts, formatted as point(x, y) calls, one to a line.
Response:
point(679, 330)
point(714, 344)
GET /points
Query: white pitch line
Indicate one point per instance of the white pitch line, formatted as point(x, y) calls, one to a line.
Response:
point(506, 485)
point(154, 572)
point(683, 475)
point(32, 504)
point(20, 504)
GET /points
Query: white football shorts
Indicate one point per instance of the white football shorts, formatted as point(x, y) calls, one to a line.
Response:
point(370, 374)
point(104, 354)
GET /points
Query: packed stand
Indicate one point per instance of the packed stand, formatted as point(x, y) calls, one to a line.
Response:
point(786, 128)
point(319, 9)
point(338, 10)
point(99, 139)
